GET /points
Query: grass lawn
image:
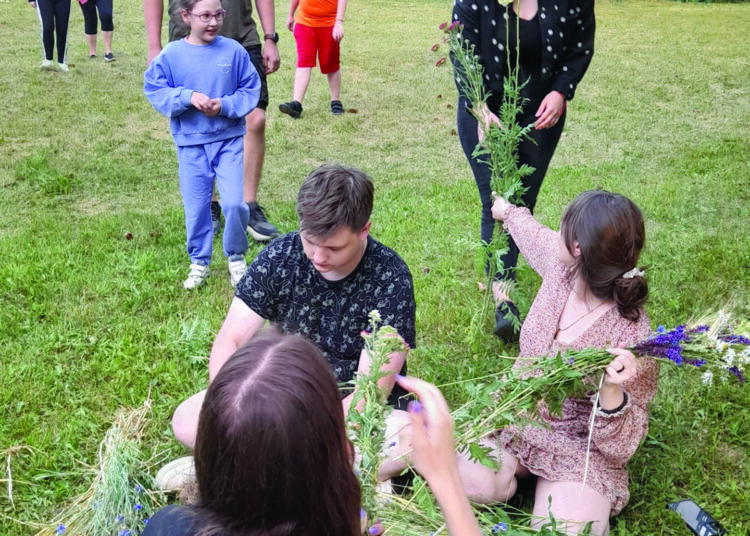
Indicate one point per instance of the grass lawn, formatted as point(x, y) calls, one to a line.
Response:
point(92, 310)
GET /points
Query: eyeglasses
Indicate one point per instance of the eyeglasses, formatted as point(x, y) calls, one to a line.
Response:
point(206, 17)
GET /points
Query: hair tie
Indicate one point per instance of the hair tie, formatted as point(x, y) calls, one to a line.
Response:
point(632, 273)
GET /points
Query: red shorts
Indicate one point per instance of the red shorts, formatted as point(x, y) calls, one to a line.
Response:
point(316, 41)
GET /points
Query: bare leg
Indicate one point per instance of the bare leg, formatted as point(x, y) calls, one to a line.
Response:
point(107, 38)
point(397, 445)
point(301, 80)
point(572, 506)
point(485, 485)
point(91, 40)
point(334, 85)
point(185, 419)
point(255, 150)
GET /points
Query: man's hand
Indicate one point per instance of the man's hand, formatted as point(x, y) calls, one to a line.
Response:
point(271, 58)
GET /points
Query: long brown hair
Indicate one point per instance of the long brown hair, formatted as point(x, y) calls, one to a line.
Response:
point(610, 232)
point(271, 454)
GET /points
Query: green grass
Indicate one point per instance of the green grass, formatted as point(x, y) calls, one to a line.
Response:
point(90, 320)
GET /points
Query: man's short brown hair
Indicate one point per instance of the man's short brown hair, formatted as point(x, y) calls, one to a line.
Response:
point(332, 197)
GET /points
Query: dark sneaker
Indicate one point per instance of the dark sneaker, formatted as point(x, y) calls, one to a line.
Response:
point(291, 108)
point(216, 217)
point(257, 224)
point(337, 108)
point(109, 57)
point(506, 320)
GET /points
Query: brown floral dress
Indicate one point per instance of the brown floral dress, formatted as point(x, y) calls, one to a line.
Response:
point(558, 453)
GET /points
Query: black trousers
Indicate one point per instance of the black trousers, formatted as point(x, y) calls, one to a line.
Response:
point(89, 10)
point(54, 15)
point(537, 155)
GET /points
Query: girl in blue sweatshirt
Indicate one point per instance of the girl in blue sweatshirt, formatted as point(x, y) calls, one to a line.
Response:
point(206, 85)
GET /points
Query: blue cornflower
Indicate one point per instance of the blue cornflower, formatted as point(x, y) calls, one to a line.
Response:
point(500, 527)
point(137, 507)
point(119, 519)
point(139, 488)
point(124, 532)
point(675, 354)
point(60, 529)
point(145, 521)
point(571, 361)
point(661, 329)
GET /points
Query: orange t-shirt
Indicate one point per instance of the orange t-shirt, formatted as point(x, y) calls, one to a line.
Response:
point(316, 13)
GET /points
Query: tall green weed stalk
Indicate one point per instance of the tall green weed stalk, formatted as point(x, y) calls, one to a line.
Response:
point(368, 411)
point(498, 148)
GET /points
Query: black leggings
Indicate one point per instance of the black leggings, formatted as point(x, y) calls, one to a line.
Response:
point(54, 15)
point(537, 155)
point(89, 16)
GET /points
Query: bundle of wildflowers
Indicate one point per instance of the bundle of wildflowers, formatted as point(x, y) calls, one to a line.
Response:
point(118, 502)
point(719, 351)
point(498, 148)
point(368, 410)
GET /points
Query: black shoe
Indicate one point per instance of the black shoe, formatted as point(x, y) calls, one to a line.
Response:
point(109, 57)
point(291, 108)
point(504, 328)
point(257, 224)
point(337, 108)
point(216, 217)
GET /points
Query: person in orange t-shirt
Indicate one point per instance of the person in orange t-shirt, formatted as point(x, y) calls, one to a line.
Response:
point(318, 30)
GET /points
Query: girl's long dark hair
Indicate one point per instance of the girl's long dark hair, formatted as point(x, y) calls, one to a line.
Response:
point(271, 455)
point(610, 232)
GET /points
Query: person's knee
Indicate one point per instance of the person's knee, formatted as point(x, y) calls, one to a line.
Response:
point(255, 122)
point(185, 424)
point(491, 489)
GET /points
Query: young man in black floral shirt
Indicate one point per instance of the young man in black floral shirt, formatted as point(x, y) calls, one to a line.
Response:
point(321, 282)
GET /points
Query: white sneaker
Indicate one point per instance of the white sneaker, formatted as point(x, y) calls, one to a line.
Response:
point(197, 276)
point(63, 67)
point(48, 65)
point(176, 474)
point(236, 270)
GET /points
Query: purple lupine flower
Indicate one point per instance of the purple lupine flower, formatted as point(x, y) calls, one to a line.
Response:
point(737, 372)
point(695, 362)
point(699, 329)
point(735, 339)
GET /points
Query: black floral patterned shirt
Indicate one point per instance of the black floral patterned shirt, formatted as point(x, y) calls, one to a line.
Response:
point(282, 286)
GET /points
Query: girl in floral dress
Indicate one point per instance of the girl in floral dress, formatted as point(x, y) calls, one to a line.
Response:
point(592, 295)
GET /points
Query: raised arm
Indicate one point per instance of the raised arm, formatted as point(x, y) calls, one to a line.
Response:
point(239, 326)
point(537, 243)
point(153, 13)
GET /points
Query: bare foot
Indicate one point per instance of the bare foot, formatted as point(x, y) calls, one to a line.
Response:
point(500, 290)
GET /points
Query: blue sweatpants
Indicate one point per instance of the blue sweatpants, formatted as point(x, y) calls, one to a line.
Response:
point(199, 164)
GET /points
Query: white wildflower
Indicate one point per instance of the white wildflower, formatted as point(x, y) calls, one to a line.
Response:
point(707, 378)
point(729, 357)
point(375, 316)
